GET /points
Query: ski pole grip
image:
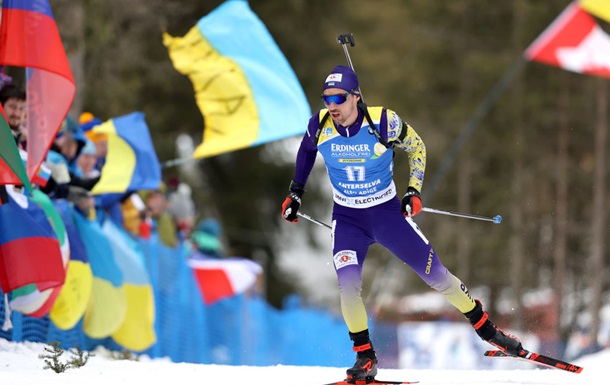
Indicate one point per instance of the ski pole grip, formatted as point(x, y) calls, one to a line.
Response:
point(345, 38)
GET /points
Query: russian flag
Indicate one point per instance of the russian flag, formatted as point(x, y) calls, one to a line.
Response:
point(44, 172)
point(29, 38)
point(29, 249)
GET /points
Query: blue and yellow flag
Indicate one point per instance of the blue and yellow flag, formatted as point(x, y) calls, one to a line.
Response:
point(137, 331)
point(131, 161)
point(73, 299)
point(244, 86)
point(107, 307)
point(599, 8)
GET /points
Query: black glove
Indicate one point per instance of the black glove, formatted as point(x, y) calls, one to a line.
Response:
point(411, 203)
point(292, 203)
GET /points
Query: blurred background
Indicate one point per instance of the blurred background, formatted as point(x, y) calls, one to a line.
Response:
point(520, 139)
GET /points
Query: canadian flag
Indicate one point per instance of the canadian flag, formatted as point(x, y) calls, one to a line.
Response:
point(224, 278)
point(574, 42)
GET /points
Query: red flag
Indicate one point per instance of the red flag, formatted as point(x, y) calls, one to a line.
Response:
point(574, 42)
point(224, 278)
point(29, 38)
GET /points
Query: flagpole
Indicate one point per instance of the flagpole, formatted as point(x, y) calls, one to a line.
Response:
point(176, 162)
point(472, 124)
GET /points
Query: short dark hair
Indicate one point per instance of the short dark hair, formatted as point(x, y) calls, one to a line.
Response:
point(11, 91)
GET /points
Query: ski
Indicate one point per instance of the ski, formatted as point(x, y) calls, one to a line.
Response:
point(374, 382)
point(537, 359)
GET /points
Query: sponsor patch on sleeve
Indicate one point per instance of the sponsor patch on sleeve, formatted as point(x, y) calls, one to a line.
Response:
point(394, 124)
point(344, 258)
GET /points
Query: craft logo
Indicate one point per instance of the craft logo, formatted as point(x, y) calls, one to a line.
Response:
point(430, 258)
point(465, 290)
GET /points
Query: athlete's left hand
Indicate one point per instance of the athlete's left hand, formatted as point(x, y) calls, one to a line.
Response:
point(411, 203)
point(292, 203)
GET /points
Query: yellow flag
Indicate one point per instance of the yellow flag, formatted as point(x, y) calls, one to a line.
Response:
point(599, 8)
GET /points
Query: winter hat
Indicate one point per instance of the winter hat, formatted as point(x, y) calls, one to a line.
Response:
point(206, 237)
point(87, 121)
point(89, 148)
point(342, 77)
point(210, 226)
point(67, 125)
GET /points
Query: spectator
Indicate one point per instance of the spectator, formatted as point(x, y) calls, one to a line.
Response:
point(86, 161)
point(61, 159)
point(156, 209)
point(181, 207)
point(12, 98)
point(69, 142)
point(206, 239)
point(135, 219)
point(87, 122)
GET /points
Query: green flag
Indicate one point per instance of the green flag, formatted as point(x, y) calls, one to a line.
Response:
point(12, 170)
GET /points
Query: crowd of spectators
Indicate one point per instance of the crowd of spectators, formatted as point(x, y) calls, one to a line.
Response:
point(75, 162)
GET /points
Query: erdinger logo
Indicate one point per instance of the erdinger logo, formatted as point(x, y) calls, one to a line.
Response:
point(344, 258)
point(350, 150)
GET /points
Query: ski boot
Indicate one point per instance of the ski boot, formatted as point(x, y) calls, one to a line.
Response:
point(489, 332)
point(365, 368)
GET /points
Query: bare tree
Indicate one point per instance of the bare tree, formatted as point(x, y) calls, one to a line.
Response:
point(561, 202)
point(598, 222)
point(517, 210)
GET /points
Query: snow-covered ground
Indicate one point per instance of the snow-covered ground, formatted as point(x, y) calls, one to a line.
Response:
point(20, 365)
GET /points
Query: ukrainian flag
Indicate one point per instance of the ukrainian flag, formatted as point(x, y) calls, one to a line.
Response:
point(599, 8)
point(107, 306)
point(131, 161)
point(244, 86)
point(73, 299)
point(137, 331)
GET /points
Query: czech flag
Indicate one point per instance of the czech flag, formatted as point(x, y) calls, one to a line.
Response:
point(224, 278)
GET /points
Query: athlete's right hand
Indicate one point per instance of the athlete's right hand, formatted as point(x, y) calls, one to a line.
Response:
point(292, 203)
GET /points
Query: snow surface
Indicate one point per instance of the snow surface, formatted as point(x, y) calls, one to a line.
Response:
point(20, 365)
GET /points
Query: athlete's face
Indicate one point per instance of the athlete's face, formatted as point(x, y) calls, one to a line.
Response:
point(343, 108)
